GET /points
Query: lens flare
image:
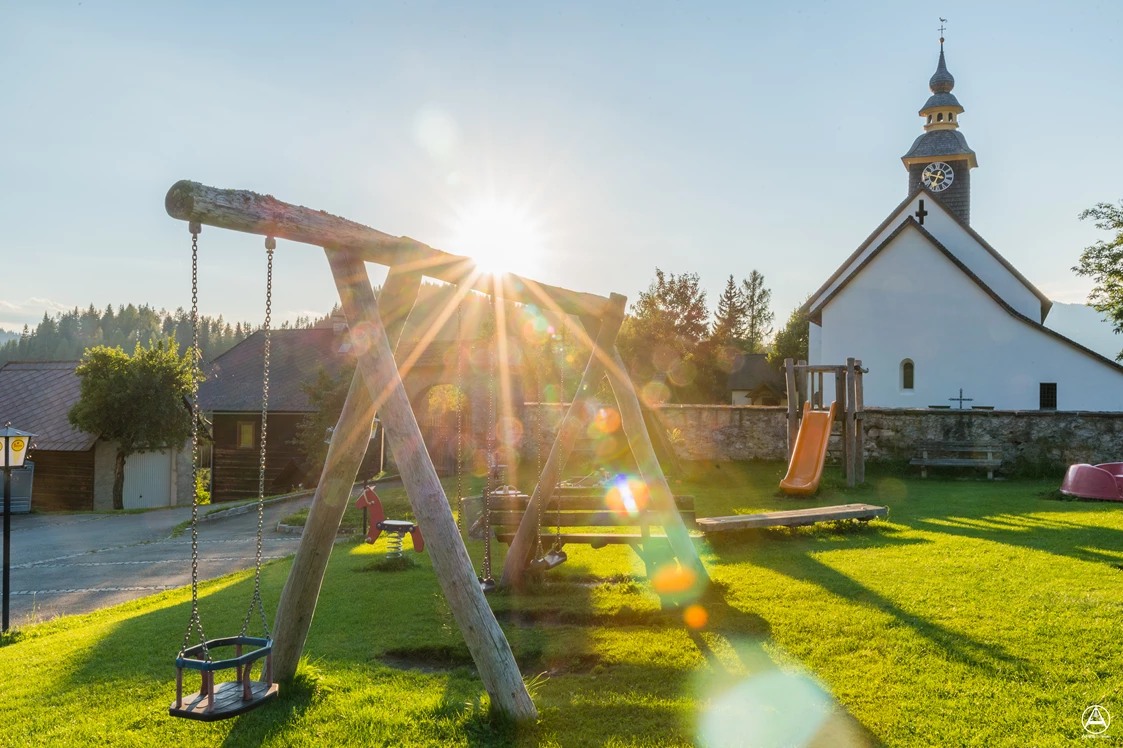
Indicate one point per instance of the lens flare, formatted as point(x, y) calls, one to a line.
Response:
point(695, 616)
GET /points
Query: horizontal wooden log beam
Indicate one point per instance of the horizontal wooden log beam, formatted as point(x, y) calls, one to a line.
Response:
point(249, 212)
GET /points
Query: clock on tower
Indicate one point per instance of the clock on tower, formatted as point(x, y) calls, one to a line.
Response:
point(940, 159)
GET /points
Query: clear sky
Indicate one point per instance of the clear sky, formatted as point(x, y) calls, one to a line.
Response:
point(705, 137)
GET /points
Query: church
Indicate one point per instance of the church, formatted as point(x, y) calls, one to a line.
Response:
point(935, 313)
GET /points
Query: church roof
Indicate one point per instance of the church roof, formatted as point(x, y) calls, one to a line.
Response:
point(911, 223)
point(935, 143)
point(940, 101)
point(816, 301)
point(941, 80)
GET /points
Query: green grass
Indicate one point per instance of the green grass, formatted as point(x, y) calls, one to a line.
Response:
point(979, 614)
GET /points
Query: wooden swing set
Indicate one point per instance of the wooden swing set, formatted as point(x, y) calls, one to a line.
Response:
point(376, 326)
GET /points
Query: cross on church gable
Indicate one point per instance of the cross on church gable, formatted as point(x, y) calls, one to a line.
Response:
point(920, 213)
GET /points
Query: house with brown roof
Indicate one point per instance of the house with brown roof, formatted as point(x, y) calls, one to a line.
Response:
point(752, 381)
point(230, 398)
point(73, 470)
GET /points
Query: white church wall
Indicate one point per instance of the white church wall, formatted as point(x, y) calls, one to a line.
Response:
point(959, 242)
point(912, 302)
point(814, 343)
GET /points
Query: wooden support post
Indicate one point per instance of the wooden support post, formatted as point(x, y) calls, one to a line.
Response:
point(486, 642)
point(522, 545)
point(840, 411)
point(860, 409)
point(793, 405)
point(350, 440)
point(631, 420)
point(849, 434)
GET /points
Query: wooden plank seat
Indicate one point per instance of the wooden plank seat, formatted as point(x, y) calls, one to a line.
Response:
point(792, 518)
point(584, 507)
point(958, 454)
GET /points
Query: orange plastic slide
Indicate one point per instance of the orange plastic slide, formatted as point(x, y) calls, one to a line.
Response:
point(806, 468)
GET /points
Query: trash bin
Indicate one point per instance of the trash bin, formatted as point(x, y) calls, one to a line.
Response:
point(21, 488)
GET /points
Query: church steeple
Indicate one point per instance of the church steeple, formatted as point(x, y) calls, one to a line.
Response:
point(940, 159)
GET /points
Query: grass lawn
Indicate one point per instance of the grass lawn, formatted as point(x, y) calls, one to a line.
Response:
point(979, 614)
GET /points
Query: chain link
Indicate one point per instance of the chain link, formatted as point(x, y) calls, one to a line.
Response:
point(196, 621)
point(255, 601)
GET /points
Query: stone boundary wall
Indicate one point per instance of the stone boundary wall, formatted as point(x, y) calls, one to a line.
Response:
point(755, 432)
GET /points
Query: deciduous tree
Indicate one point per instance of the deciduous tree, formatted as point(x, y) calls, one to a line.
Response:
point(138, 401)
point(1103, 263)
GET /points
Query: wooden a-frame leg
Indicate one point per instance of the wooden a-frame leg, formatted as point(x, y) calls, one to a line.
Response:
point(522, 545)
point(631, 419)
point(349, 444)
point(486, 642)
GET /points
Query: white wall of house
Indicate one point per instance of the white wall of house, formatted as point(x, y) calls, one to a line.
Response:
point(912, 302)
point(152, 479)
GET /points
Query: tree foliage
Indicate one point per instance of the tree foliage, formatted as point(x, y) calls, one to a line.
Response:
point(67, 335)
point(729, 318)
point(1103, 263)
point(661, 333)
point(791, 341)
point(755, 300)
point(326, 394)
point(137, 401)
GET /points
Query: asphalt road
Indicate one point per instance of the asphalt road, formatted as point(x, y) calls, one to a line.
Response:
point(65, 564)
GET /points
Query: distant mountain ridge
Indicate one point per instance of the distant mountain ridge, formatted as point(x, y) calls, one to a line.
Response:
point(1086, 326)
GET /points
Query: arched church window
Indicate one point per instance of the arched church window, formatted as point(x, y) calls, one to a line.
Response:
point(907, 373)
point(929, 119)
point(940, 117)
point(951, 116)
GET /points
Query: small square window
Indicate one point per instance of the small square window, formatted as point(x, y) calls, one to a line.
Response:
point(245, 435)
point(1048, 396)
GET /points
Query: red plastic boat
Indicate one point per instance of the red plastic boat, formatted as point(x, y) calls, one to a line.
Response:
point(1103, 482)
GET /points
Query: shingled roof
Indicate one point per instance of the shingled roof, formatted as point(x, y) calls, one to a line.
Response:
point(233, 380)
point(36, 396)
point(751, 370)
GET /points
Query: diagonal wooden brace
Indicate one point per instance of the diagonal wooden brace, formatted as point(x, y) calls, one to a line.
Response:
point(522, 546)
point(345, 455)
point(485, 639)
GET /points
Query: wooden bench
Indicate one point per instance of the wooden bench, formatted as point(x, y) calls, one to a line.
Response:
point(958, 454)
point(585, 507)
point(792, 518)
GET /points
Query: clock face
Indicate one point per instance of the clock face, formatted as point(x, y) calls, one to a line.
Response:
point(937, 176)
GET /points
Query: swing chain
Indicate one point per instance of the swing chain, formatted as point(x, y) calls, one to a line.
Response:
point(195, 228)
point(256, 601)
point(561, 399)
point(490, 444)
point(459, 420)
point(538, 455)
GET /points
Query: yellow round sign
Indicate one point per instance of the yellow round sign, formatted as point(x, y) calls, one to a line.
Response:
point(17, 445)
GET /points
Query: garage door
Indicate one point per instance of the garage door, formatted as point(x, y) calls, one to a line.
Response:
point(148, 480)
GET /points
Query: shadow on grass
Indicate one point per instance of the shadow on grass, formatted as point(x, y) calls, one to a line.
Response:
point(274, 717)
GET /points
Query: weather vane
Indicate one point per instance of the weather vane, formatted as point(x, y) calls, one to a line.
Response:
point(942, 22)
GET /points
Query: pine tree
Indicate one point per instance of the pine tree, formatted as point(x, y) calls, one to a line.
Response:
point(758, 317)
point(729, 319)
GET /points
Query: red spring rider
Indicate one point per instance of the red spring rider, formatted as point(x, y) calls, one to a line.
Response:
point(396, 528)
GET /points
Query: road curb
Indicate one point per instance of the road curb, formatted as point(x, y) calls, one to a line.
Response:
point(341, 534)
point(236, 510)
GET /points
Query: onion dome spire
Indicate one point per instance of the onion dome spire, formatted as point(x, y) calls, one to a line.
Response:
point(941, 81)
